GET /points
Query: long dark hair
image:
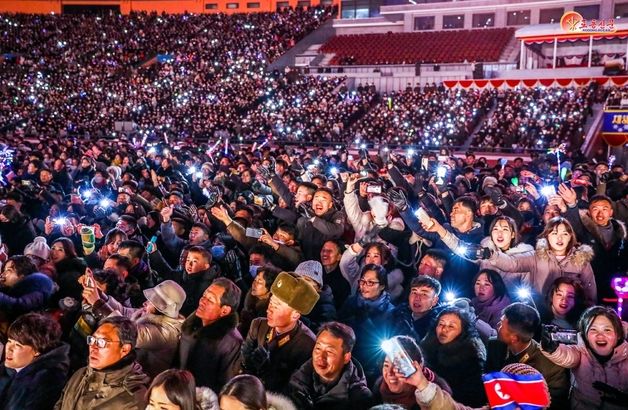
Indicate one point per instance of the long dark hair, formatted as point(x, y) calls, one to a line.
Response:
point(180, 388)
point(574, 314)
point(68, 247)
point(248, 390)
point(495, 279)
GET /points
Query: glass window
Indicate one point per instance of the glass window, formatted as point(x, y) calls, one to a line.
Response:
point(550, 16)
point(252, 5)
point(233, 5)
point(455, 21)
point(211, 6)
point(484, 20)
point(424, 23)
point(518, 18)
point(282, 4)
point(303, 3)
point(621, 11)
point(588, 12)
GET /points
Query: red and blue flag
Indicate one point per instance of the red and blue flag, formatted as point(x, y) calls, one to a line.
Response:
point(511, 391)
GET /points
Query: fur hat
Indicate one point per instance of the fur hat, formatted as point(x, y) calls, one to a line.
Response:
point(38, 248)
point(311, 269)
point(294, 291)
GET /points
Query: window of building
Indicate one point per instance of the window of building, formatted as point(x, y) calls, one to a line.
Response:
point(211, 6)
point(357, 9)
point(455, 21)
point(551, 16)
point(282, 5)
point(303, 3)
point(588, 12)
point(252, 5)
point(424, 23)
point(484, 20)
point(621, 11)
point(518, 18)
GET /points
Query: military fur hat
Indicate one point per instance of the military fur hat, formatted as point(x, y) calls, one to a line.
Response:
point(295, 291)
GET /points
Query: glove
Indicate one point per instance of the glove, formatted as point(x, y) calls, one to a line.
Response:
point(297, 168)
point(306, 209)
point(398, 198)
point(257, 360)
point(547, 343)
point(498, 199)
point(266, 173)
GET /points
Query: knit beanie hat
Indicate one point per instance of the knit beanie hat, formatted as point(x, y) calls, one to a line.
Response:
point(311, 269)
point(38, 248)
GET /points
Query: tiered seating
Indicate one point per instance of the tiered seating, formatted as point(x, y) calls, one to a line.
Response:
point(429, 47)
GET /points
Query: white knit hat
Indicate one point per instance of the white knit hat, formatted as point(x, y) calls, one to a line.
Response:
point(38, 248)
point(311, 269)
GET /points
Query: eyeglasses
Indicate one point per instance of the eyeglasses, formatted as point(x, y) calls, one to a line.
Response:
point(368, 283)
point(99, 342)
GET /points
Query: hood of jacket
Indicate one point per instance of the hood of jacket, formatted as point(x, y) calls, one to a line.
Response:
point(58, 358)
point(277, 401)
point(620, 233)
point(35, 282)
point(579, 255)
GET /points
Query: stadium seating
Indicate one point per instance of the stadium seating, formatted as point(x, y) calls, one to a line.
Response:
point(482, 45)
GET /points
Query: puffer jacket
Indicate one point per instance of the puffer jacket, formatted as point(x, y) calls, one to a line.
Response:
point(121, 386)
point(157, 335)
point(586, 370)
point(350, 391)
point(362, 221)
point(544, 267)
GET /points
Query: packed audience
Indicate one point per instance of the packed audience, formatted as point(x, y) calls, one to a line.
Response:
point(538, 118)
point(148, 276)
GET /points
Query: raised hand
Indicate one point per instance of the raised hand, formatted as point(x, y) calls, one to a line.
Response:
point(568, 194)
point(398, 198)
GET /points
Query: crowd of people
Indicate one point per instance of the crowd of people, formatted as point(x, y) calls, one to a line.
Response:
point(269, 277)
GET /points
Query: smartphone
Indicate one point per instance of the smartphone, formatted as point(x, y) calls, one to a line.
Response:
point(568, 337)
point(89, 281)
point(398, 357)
point(254, 233)
point(373, 189)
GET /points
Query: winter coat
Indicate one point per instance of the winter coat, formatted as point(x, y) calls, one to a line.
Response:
point(350, 390)
point(351, 270)
point(433, 397)
point(586, 370)
point(313, 232)
point(157, 334)
point(29, 294)
point(252, 308)
point(340, 287)
point(38, 385)
point(68, 272)
point(556, 377)
point(460, 363)
point(277, 401)
point(120, 386)
point(16, 235)
point(324, 310)
point(210, 352)
point(370, 320)
point(285, 359)
point(362, 221)
point(511, 279)
point(609, 257)
point(405, 324)
point(544, 267)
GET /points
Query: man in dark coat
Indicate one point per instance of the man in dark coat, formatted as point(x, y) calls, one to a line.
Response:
point(331, 379)
point(319, 224)
point(325, 309)
point(279, 344)
point(210, 342)
point(417, 317)
point(514, 344)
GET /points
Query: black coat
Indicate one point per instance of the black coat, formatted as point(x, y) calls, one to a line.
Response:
point(405, 324)
point(16, 235)
point(68, 272)
point(314, 232)
point(252, 308)
point(372, 322)
point(38, 385)
point(350, 391)
point(461, 364)
point(210, 352)
point(284, 359)
point(323, 311)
